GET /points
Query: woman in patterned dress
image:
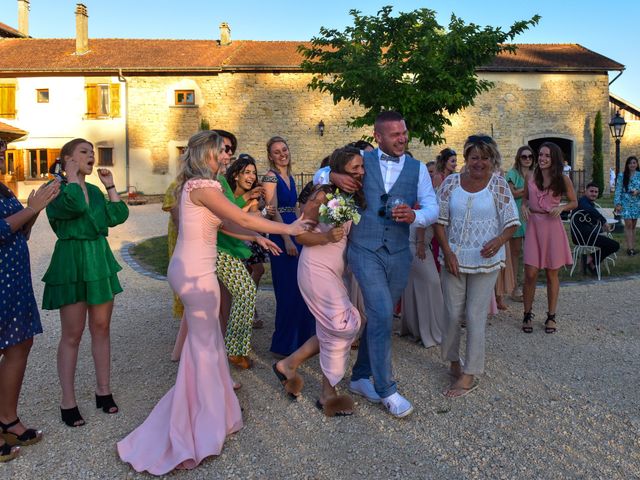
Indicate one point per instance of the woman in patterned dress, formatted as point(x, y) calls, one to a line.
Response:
point(627, 201)
point(19, 317)
point(82, 279)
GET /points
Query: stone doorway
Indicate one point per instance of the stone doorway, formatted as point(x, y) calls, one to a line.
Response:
point(565, 145)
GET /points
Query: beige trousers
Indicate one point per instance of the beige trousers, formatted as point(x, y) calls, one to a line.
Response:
point(466, 297)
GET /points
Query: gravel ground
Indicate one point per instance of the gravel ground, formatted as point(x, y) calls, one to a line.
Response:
point(549, 406)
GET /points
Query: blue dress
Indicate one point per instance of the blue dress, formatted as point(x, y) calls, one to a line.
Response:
point(19, 316)
point(630, 204)
point(294, 322)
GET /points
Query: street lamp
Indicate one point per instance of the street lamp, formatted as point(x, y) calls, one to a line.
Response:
point(617, 125)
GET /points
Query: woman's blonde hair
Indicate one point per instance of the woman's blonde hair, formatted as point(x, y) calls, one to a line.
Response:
point(486, 145)
point(194, 162)
point(270, 143)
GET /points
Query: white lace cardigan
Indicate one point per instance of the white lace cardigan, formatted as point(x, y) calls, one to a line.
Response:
point(472, 219)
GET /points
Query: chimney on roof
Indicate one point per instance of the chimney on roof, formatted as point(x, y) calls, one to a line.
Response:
point(82, 29)
point(23, 17)
point(225, 34)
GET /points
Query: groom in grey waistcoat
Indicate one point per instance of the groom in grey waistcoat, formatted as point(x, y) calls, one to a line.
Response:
point(378, 251)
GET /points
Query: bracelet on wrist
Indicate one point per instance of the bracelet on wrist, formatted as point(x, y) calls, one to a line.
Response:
point(110, 187)
point(32, 209)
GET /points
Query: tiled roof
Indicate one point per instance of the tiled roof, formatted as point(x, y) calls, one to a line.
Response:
point(7, 31)
point(10, 133)
point(18, 55)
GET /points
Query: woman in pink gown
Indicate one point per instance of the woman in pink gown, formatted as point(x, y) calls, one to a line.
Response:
point(545, 244)
point(322, 281)
point(193, 419)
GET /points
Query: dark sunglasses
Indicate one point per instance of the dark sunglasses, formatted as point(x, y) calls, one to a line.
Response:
point(524, 157)
point(228, 148)
point(382, 211)
point(479, 139)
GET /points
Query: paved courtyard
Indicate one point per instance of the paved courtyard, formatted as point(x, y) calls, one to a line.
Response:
point(549, 406)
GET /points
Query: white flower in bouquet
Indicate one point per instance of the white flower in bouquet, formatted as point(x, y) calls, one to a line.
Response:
point(339, 209)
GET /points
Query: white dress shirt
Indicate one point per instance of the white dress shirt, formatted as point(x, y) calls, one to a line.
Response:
point(428, 211)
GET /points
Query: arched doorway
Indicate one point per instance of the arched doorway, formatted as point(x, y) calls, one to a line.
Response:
point(565, 144)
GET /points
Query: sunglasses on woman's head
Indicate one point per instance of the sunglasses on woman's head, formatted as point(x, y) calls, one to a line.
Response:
point(480, 139)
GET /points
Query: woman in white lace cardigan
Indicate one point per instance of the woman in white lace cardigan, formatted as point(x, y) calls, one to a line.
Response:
point(478, 215)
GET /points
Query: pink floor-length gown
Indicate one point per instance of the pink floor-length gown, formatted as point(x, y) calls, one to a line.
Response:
point(193, 419)
point(321, 278)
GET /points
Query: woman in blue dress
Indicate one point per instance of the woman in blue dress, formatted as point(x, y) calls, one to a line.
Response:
point(294, 323)
point(627, 201)
point(19, 316)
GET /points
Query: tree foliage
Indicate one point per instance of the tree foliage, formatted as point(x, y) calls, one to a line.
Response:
point(408, 63)
point(597, 166)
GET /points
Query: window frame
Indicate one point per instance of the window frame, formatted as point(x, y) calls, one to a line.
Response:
point(40, 91)
point(186, 93)
point(101, 163)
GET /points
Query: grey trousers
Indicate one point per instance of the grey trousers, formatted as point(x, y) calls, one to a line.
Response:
point(468, 297)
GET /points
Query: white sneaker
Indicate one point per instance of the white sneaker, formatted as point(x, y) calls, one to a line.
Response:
point(364, 388)
point(397, 405)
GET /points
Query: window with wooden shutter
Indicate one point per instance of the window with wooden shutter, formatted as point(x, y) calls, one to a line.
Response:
point(92, 100)
point(115, 100)
point(7, 101)
point(19, 166)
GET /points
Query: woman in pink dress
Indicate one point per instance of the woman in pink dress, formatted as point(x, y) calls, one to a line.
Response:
point(545, 244)
point(193, 419)
point(321, 278)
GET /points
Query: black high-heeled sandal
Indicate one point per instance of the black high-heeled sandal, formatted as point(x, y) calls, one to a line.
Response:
point(72, 415)
point(527, 321)
point(7, 452)
point(548, 328)
point(28, 437)
point(106, 403)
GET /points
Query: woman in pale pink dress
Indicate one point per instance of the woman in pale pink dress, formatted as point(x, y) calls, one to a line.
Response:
point(545, 244)
point(321, 278)
point(193, 419)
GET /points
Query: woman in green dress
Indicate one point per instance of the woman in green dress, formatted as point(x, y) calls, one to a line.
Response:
point(522, 166)
point(81, 280)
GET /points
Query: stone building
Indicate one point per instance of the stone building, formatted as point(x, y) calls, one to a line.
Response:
point(139, 101)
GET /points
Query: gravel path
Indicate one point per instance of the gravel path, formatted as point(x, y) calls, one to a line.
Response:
point(549, 406)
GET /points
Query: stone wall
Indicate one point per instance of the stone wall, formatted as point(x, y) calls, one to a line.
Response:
point(256, 106)
point(630, 143)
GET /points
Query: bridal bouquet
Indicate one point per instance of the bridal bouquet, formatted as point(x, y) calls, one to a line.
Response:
point(339, 209)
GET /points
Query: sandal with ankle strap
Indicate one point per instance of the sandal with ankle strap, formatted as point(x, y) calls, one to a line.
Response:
point(550, 328)
point(527, 321)
point(7, 452)
point(72, 415)
point(28, 437)
point(106, 403)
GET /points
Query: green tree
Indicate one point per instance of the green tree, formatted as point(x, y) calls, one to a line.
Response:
point(407, 63)
point(597, 167)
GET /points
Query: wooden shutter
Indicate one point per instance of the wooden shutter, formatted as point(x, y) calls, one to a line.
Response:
point(52, 154)
point(18, 163)
point(92, 100)
point(7, 101)
point(114, 99)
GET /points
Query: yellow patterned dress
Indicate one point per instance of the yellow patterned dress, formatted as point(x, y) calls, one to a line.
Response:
point(172, 237)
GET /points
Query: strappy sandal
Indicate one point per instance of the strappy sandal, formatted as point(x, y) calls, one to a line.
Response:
point(106, 403)
point(28, 437)
point(7, 452)
point(72, 415)
point(527, 321)
point(550, 323)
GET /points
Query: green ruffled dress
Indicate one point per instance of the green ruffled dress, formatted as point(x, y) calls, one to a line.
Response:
point(82, 268)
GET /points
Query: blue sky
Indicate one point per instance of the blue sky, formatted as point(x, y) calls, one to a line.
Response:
point(609, 28)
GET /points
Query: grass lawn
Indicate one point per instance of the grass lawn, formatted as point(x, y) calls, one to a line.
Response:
point(152, 254)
